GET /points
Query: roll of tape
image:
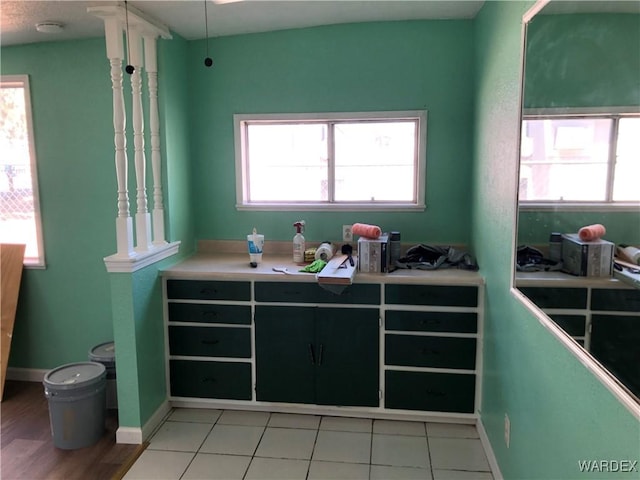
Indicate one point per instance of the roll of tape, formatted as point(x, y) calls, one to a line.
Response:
point(324, 252)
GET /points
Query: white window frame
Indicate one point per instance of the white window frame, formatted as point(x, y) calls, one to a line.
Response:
point(240, 122)
point(583, 206)
point(23, 81)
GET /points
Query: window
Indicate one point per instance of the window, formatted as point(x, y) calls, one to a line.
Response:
point(365, 161)
point(19, 205)
point(582, 158)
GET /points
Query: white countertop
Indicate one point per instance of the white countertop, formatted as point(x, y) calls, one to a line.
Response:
point(233, 266)
point(550, 279)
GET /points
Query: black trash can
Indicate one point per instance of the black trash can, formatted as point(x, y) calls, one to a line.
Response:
point(76, 394)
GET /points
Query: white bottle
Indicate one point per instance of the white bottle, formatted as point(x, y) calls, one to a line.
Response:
point(298, 243)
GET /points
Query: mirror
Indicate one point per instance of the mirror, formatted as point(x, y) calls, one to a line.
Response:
point(580, 165)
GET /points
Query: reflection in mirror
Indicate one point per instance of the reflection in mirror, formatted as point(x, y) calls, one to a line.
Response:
point(580, 166)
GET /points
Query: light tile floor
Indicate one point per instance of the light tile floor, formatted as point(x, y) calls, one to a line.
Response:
point(199, 444)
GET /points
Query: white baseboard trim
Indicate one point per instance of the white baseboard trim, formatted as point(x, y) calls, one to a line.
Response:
point(26, 374)
point(137, 436)
point(486, 444)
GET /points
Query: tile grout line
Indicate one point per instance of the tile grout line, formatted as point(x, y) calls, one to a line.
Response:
point(315, 442)
point(426, 432)
point(253, 456)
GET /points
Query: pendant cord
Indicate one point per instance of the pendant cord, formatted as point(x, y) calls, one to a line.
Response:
point(129, 68)
point(207, 60)
point(206, 26)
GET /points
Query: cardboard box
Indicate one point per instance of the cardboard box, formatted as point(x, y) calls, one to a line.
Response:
point(373, 254)
point(586, 259)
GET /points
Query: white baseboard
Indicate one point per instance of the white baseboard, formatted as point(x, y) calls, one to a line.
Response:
point(486, 444)
point(135, 435)
point(26, 374)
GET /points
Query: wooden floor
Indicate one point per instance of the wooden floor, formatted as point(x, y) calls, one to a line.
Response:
point(27, 450)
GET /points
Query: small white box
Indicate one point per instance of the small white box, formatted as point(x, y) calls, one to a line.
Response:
point(373, 254)
point(586, 259)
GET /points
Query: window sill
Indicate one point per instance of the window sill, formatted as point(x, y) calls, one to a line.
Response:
point(579, 207)
point(325, 207)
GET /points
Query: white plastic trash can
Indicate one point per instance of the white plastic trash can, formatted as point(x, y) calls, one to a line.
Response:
point(76, 394)
point(105, 353)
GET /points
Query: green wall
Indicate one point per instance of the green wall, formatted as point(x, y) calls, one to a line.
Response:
point(354, 67)
point(64, 310)
point(174, 136)
point(534, 226)
point(560, 414)
point(582, 60)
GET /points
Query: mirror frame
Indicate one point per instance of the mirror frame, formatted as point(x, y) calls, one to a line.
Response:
point(585, 358)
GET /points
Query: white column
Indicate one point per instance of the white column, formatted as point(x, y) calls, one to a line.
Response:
point(151, 65)
point(124, 226)
point(143, 218)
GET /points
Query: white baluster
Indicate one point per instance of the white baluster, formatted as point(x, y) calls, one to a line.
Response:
point(143, 219)
point(124, 226)
point(151, 65)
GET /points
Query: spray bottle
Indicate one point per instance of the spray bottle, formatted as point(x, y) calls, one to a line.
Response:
point(298, 243)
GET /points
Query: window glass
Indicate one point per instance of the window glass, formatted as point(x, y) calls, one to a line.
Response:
point(573, 159)
point(627, 171)
point(331, 160)
point(19, 207)
point(287, 162)
point(375, 161)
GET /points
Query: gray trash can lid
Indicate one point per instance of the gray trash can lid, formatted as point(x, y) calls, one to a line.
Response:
point(75, 375)
point(105, 352)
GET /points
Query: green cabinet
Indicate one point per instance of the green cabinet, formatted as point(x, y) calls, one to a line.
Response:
point(209, 338)
point(317, 355)
point(431, 348)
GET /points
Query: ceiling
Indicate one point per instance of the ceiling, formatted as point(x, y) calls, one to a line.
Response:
point(186, 17)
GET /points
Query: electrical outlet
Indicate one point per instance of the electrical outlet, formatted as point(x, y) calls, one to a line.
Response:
point(507, 430)
point(347, 234)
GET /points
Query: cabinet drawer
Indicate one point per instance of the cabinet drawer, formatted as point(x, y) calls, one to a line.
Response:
point(297, 292)
point(209, 313)
point(556, 297)
point(210, 379)
point(210, 341)
point(619, 299)
point(208, 290)
point(437, 392)
point(431, 321)
point(431, 295)
point(439, 352)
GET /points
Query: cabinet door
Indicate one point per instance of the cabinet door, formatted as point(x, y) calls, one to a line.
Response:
point(209, 313)
point(299, 292)
point(348, 356)
point(210, 341)
point(426, 351)
point(285, 354)
point(614, 343)
point(210, 379)
point(440, 295)
point(208, 290)
point(438, 392)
